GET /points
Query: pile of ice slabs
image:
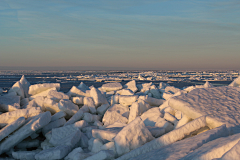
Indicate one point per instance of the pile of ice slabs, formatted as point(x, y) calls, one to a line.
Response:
point(141, 121)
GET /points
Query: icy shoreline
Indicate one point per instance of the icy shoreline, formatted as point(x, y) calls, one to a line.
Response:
point(116, 121)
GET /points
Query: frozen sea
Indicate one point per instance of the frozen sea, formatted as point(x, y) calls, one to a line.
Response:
point(67, 79)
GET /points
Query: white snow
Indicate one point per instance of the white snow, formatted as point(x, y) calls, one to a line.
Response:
point(221, 104)
point(214, 149)
point(181, 148)
point(233, 153)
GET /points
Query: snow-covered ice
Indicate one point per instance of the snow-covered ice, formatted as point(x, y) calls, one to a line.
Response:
point(220, 104)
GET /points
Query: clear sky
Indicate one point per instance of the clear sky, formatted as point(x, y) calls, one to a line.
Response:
point(120, 34)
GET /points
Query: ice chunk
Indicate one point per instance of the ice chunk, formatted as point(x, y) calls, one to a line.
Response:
point(75, 92)
point(25, 86)
point(169, 110)
point(88, 101)
point(178, 114)
point(84, 109)
point(144, 87)
point(151, 116)
point(181, 148)
point(42, 94)
point(50, 105)
point(115, 113)
point(106, 134)
point(58, 152)
point(31, 104)
point(97, 144)
point(168, 138)
point(111, 86)
point(37, 88)
point(17, 87)
point(102, 155)
point(137, 109)
point(9, 103)
point(169, 117)
point(162, 123)
point(32, 126)
point(235, 83)
point(76, 117)
point(91, 118)
point(80, 124)
point(55, 124)
point(57, 96)
point(155, 92)
point(58, 115)
point(131, 85)
point(207, 85)
point(127, 100)
point(153, 101)
point(4, 132)
point(109, 94)
point(83, 86)
point(102, 109)
point(185, 119)
point(156, 131)
point(134, 111)
point(98, 97)
point(109, 146)
point(125, 92)
point(132, 136)
point(78, 100)
point(9, 117)
point(221, 104)
point(214, 149)
point(66, 135)
point(114, 99)
point(84, 141)
point(25, 155)
point(46, 145)
point(68, 107)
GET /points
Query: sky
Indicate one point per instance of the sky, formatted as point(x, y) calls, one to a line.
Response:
point(120, 34)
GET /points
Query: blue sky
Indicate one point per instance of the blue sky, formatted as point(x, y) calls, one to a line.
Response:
point(120, 34)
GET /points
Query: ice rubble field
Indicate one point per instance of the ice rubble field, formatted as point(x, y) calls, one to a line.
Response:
point(141, 121)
